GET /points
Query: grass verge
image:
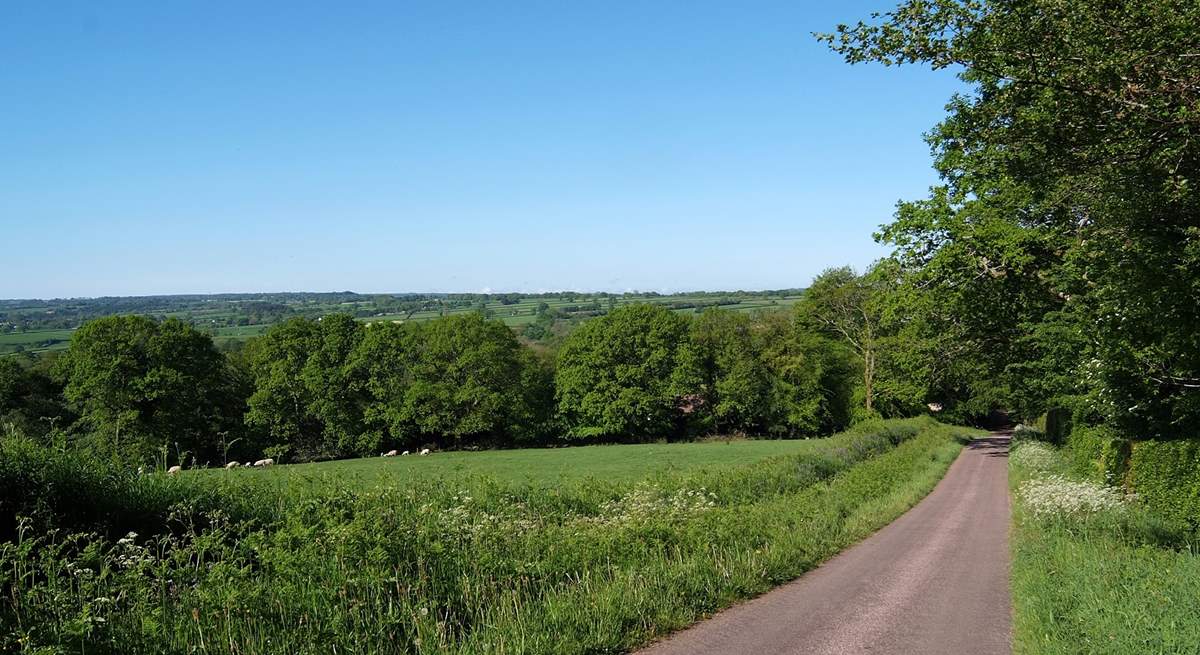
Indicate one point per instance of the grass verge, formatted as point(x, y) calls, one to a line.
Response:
point(1094, 573)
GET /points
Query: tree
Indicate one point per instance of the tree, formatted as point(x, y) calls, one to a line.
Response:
point(140, 384)
point(280, 404)
point(383, 366)
point(1069, 189)
point(812, 375)
point(615, 373)
point(720, 365)
point(30, 400)
point(466, 379)
point(848, 306)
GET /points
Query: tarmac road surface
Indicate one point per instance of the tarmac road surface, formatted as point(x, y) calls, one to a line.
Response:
point(934, 582)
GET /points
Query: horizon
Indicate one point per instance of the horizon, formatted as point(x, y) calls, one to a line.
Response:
point(202, 150)
point(412, 293)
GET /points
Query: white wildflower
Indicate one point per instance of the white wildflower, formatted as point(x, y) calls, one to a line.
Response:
point(1057, 495)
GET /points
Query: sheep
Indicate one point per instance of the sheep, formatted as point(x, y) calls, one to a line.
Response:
point(424, 451)
point(232, 465)
point(247, 465)
point(265, 462)
point(390, 453)
point(174, 470)
point(404, 453)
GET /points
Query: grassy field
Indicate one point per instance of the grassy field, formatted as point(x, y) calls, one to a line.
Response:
point(1094, 573)
point(115, 562)
point(612, 463)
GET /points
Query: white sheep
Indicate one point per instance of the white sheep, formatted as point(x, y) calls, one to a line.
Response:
point(174, 470)
point(424, 451)
point(232, 465)
point(265, 462)
point(404, 453)
point(247, 465)
point(390, 453)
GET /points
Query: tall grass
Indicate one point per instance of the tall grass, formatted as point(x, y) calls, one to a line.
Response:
point(1094, 576)
point(472, 566)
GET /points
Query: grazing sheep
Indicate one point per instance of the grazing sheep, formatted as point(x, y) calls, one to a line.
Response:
point(247, 465)
point(174, 469)
point(404, 453)
point(424, 451)
point(390, 453)
point(265, 462)
point(232, 465)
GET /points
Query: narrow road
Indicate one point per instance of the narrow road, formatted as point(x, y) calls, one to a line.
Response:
point(934, 582)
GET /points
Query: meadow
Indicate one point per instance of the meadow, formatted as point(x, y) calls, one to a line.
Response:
point(101, 560)
point(537, 466)
point(1094, 570)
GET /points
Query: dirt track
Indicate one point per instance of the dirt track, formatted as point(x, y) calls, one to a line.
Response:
point(934, 582)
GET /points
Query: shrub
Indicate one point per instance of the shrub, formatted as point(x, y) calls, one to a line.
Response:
point(1166, 474)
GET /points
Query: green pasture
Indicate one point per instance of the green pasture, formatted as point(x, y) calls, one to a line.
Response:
point(624, 463)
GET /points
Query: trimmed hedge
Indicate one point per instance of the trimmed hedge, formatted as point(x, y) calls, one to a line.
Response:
point(1166, 474)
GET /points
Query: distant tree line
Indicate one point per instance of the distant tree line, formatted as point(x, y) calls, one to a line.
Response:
point(333, 386)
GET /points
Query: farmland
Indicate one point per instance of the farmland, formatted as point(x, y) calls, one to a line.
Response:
point(540, 466)
point(46, 325)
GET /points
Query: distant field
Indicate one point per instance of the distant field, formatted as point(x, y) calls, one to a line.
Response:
point(539, 465)
point(34, 341)
point(517, 314)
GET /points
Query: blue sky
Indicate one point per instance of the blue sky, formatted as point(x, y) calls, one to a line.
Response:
point(170, 147)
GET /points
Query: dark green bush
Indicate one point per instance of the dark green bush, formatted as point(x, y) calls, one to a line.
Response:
point(1166, 474)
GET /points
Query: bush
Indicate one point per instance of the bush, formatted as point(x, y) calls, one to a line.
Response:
point(1091, 453)
point(1166, 474)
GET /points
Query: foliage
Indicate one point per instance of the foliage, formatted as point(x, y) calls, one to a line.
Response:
point(138, 385)
point(1069, 196)
point(615, 373)
point(722, 366)
point(1166, 475)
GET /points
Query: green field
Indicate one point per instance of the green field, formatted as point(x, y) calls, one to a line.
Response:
point(620, 463)
point(518, 314)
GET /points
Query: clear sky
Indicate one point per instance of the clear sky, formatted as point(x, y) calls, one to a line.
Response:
point(194, 147)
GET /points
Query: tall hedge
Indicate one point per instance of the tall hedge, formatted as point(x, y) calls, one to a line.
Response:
point(1166, 474)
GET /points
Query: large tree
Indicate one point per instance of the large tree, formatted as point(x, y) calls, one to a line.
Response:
point(720, 364)
point(615, 373)
point(1069, 197)
point(140, 384)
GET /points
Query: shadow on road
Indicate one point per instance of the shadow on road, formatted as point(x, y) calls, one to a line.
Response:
point(995, 445)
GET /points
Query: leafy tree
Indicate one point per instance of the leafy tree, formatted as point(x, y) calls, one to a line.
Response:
point(30, 400)
point(720, 364)
point(850, 307)
point(466, 379)
point(615, 373)
point(1069, 191)
point(280, 404)
point(140, 384)
point(812, 376)
point(332, 393)
point(383, 366)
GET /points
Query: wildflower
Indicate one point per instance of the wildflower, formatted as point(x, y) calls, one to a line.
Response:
point(1057, 495)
